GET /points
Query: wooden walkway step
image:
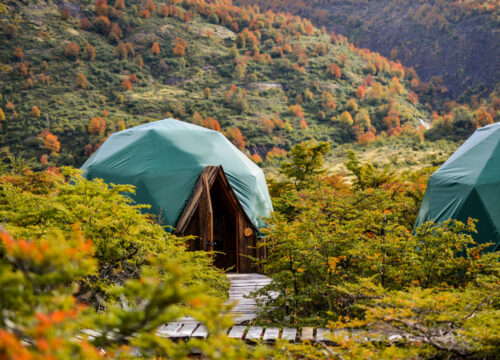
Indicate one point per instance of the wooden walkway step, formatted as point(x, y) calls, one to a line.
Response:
point(185, 331)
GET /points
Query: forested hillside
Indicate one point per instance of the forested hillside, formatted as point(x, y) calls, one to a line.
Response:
point(73, 72)
point(451, 44)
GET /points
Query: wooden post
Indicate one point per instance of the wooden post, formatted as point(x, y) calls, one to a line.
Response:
point(210, 216)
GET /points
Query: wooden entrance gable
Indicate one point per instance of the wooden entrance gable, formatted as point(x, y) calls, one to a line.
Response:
point(215, 216)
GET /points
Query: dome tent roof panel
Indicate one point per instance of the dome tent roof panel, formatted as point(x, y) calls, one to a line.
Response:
point(163, 159)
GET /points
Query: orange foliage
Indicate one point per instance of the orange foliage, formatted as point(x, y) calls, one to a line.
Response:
point(145, 13)
point(366, 138)
point(236, 137)
point(303, 124)
point(361, 92)
point(133, 78)
point(150, 5)
point(179, 47)
point(50, 141)
point(65, 14)
point(155, 48)
point(101, 7)
point(18, 53)
point(211, 123)
point(89, 52)
point(296, 110)
point(97, 126)
point(333, 71)
point(81, 81)
point(44, 160)
point(116, 33)
point(102, 24)
point(256, 158)
point(72, 50)
point(35, 111)
point(275, 153)
point(84, 24)
point(126, 84)
point(119, 4)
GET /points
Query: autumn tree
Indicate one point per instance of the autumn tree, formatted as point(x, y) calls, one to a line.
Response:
point(361, 92)
point(351, 105)
point(115, 33)
point(81, 81)
point(395, 86)
point(84, 24)
point(97, 126)
point(101, 7)
point(296, 110)
point(119, 5)
point(126, 84)
point(333, 70)
point(89, 52)
point(179, 47)
point(150, 5)
point(72, 51)
point(2, 115)
point(35, 111)
point(207, 93)
point(363, 119)
point(345, 119)
point(236, 137)
point(102, 24)
point(18, 53)
point(155, 48)
point(50, 142)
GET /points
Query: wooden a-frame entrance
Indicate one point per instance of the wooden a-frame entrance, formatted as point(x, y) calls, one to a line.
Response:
point(215, 216)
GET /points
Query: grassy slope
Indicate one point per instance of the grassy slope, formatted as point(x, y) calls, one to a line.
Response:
point(175, 89)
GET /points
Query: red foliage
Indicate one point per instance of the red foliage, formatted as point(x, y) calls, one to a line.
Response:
point(84, 24)
point(144, 13)
point(102, 24)
point(116, 33)
point(72, 50)
point(65, 14)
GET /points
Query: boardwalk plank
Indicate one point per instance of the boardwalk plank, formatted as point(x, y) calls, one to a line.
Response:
point(271, 334)
point(289, 334)
point(201, 332)
point(237, 332)
point(186, 331)
point(254, 333)
point(169, 329)
point(307, 333)
point(322, 334)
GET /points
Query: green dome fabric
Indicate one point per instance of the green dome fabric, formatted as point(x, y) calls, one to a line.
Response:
point(467, 185)
point(163, 159)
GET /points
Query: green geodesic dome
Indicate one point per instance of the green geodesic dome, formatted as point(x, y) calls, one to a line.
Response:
point(467, 185)
point(164, 159)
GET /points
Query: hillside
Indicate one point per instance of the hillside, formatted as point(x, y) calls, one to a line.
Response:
point(453, 44)
point(74, 72)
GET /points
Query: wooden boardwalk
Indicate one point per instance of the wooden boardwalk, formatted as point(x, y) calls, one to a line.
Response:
point(244, 311)
point(241, 286)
